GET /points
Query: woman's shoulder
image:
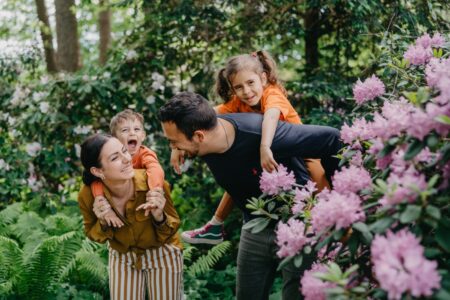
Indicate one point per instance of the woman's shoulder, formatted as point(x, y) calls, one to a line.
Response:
point(85, 193)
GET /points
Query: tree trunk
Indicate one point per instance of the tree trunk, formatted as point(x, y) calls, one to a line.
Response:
point(104, 28)
point(46, 35)
point(312, 33)
point(67, 36)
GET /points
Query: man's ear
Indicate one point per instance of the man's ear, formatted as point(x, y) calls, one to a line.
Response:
point(199, 135)
point(97, 172)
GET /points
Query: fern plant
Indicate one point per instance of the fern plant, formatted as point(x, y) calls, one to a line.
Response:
point(205, 262)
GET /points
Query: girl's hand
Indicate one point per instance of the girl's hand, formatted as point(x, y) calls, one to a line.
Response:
point(176, 160)
point(268, 163)
point(155, 202)
point(112, 219)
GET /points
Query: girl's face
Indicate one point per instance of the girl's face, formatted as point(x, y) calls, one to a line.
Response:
point(116, 161)
point(248, 86)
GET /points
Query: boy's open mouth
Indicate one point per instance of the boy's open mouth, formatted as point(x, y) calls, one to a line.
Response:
point(132, 145)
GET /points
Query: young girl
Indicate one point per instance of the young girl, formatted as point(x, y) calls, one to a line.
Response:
point(128, 127)
point(249, 83)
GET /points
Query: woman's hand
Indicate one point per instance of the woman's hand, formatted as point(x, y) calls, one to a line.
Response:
point(155, 202)
point(268, 163)
point(176, 160)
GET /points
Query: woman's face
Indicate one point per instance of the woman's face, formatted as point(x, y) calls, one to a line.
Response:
point(116, 161)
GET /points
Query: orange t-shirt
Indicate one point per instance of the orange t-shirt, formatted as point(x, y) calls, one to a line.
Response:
point(272, 97)
point(144, 159)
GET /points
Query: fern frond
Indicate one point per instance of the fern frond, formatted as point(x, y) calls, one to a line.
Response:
point(29, 221)
point(48, 262)
point(187, 254)
point(92, 266)
point(10, 214)
point(205, 262)
point(11, 265)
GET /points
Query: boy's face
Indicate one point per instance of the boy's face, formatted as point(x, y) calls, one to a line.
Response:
point(131, 134)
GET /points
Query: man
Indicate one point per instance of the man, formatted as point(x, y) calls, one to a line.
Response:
point(229, 144)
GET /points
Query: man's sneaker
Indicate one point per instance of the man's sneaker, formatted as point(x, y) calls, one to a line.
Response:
point(208, 234)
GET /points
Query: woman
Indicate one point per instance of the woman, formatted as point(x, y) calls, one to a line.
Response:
point(146, 251)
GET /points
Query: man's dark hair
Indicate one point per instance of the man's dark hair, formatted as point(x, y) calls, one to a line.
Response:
point(190, 112)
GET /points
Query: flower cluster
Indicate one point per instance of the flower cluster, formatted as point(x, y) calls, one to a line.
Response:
point(421, 52)
point(277, 181)
point(368, 90)
point(335, 209)
point(313, 288)
point(302, 195)
point(352, 180)
point(400, 265)
point(290, 237)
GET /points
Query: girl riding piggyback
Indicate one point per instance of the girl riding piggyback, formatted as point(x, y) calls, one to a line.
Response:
point(249, 83)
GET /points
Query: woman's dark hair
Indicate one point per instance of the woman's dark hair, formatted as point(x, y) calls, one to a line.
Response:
point(189, 112)
point(90, 155)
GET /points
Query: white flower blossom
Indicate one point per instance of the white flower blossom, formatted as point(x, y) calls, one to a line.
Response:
point(131, 55)
point(4, 165)
point(77, 150)
point(44, 107)
point(107, 75)
point(150, 99)
point(34, 184)
point(82, 129)
point(186, 165)
point(33, 148)
point(38, 96)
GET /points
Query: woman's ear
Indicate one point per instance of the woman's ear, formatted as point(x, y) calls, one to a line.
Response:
point(97, 172)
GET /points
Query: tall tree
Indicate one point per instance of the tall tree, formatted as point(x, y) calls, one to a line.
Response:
point(67, 36)
point(46, 35)
point(104, 28)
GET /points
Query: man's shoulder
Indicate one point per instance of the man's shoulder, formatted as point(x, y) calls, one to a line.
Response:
point(245, 121)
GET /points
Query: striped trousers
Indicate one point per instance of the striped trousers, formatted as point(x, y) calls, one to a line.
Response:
point(157, 271)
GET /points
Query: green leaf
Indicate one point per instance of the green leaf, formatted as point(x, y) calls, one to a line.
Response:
point(361, 227)
point(298, 260)
point(413, 149)
point(411, 213)
point(433, 212)
point(285, 262)
point(386, 150)
point(443, 236)
point(261, 225)
point(433, 181)
point(307, 249)
point(432, 141)
point(350, 270)
point(381, 225)
point(250, 224)
point(443, 119)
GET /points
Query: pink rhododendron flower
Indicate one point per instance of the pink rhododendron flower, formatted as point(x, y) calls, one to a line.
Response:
point(418, 55)
point(277, 181)
point(400, 265)
point(301, 195)
point(404, 187)
point(335, 209)
point(313, 288)
point(290, 237)
point(351, 180)
point(359, 130)
point(368, 90)
point(437, 41)
point(424, 41)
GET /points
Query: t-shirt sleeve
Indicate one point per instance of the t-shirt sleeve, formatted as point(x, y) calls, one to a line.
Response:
point(276, 99)
point(155, 172)
point(230, 107)
point(311, 141)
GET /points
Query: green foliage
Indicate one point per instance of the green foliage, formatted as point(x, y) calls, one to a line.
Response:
point(205, 262)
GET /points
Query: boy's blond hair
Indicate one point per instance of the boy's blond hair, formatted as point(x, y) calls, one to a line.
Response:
point(124, 115)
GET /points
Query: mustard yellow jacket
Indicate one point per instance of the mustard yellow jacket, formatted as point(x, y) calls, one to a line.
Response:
point(140, 232)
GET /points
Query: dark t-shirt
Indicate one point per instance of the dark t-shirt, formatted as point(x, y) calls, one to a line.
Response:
point(238, 169)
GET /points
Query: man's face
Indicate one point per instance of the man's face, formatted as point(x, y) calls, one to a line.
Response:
point(178, 140)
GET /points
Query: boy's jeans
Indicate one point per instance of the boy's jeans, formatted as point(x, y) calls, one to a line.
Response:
point(256, 267)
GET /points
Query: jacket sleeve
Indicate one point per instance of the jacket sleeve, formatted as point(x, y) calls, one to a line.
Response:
point(155, 173)
point(92, 227)
point(170, 226)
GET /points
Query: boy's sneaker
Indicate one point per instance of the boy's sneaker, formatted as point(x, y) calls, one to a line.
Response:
point(208, 234)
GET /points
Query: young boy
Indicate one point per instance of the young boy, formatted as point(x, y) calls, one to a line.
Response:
point(128, 127)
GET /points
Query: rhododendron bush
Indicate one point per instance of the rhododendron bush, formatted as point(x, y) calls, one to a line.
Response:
point(383, 230)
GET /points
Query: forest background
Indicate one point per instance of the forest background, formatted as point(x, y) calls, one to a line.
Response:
point(66, 67)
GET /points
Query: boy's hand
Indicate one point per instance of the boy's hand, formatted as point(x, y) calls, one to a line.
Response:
point(155, 202)
point(268, 163)
point(104, 212)
point(176, 160)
